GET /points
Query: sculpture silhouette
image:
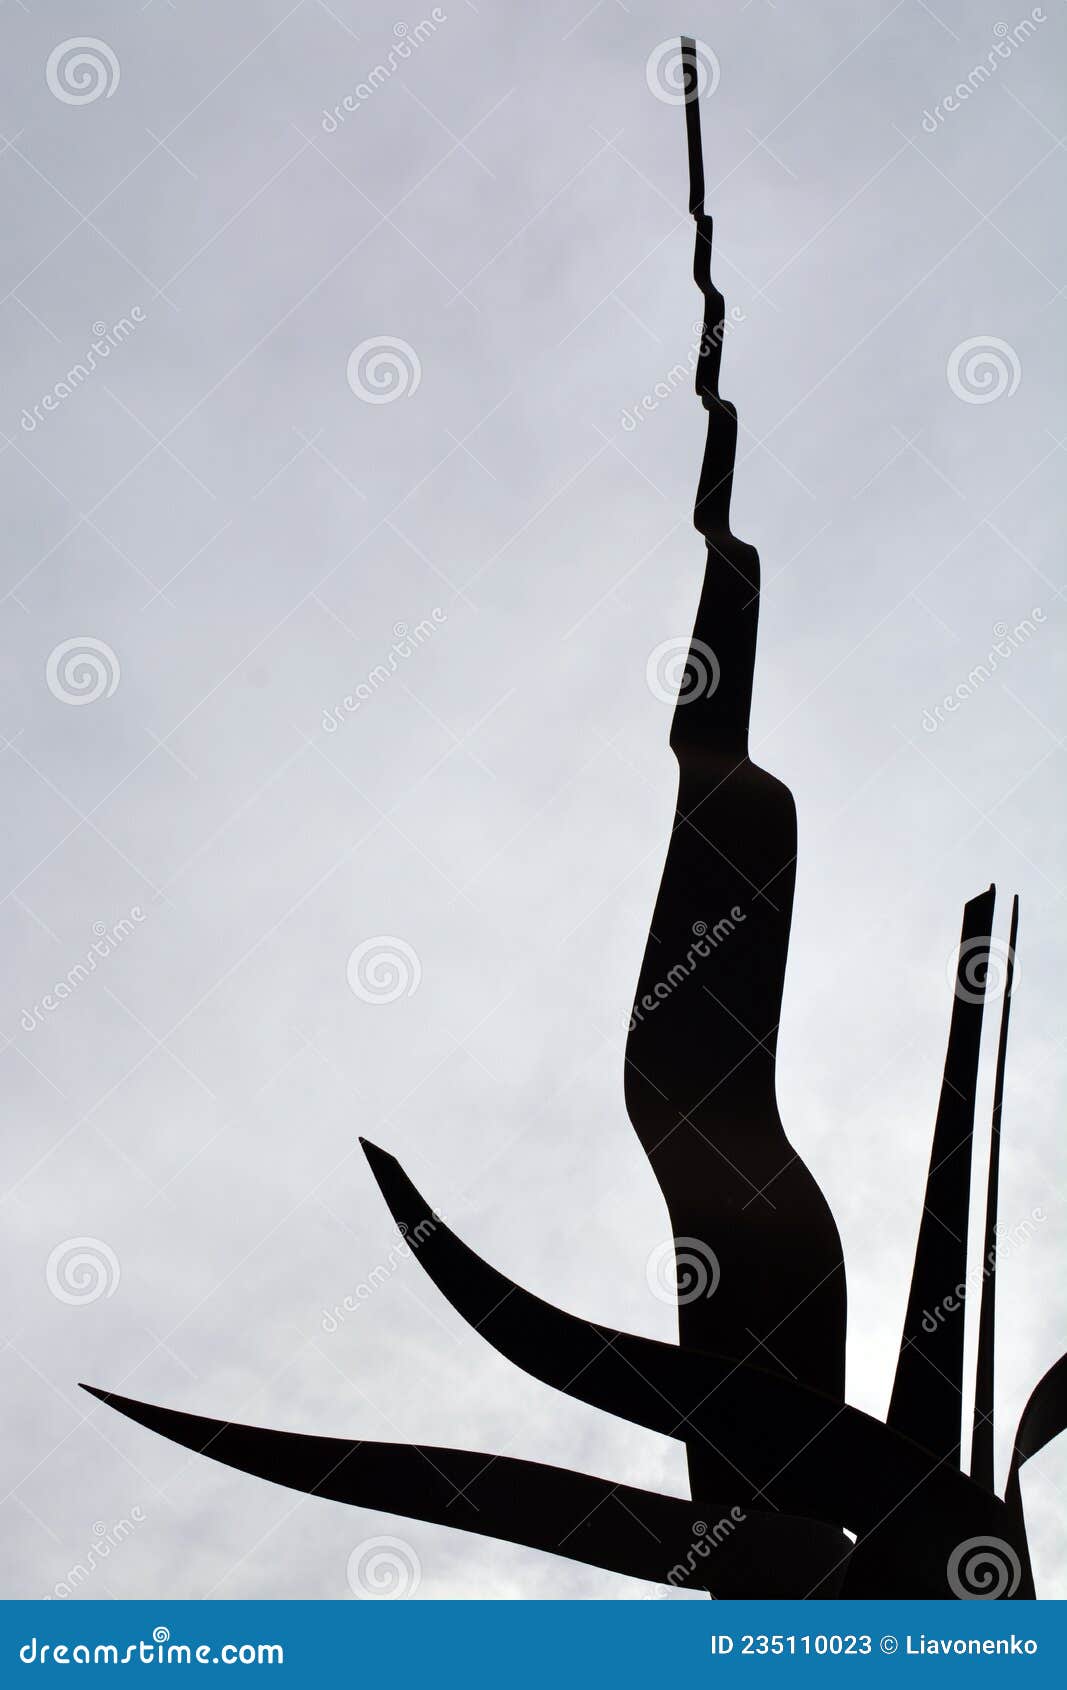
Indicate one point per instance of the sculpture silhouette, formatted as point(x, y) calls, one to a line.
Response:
point(700, 1083)
point(755, 1388)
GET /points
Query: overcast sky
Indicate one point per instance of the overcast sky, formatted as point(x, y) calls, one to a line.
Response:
point(220, 532)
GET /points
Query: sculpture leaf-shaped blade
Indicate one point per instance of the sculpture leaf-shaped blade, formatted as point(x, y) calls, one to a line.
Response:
point(785, 1445)
point(693, 1546)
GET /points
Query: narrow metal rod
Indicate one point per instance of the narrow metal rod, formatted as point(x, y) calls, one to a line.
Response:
point(691, 84)
point(982, 1436)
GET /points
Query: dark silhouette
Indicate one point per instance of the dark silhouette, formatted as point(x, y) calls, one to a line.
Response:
point(781, 1467)
point(700, 1083)
point(928, 1388)
point(982, 1431)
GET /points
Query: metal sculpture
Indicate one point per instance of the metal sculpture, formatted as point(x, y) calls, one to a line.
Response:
point(810, 1496)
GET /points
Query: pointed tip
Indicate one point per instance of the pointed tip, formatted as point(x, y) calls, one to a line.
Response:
point(374, 1153)
point(405, 1202)
point(388, 1173)
point(101, 1396)
point(988, 895)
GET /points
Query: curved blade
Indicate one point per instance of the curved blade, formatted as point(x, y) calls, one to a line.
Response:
point(1043, 1418)
point(692, 1546)
point(1045, 1415)
point(784, 1445)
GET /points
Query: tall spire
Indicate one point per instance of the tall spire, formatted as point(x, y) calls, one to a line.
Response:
point(712, 512)
point(700, 1056)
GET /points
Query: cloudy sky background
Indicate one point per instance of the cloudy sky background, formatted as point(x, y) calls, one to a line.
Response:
point(220, 509)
